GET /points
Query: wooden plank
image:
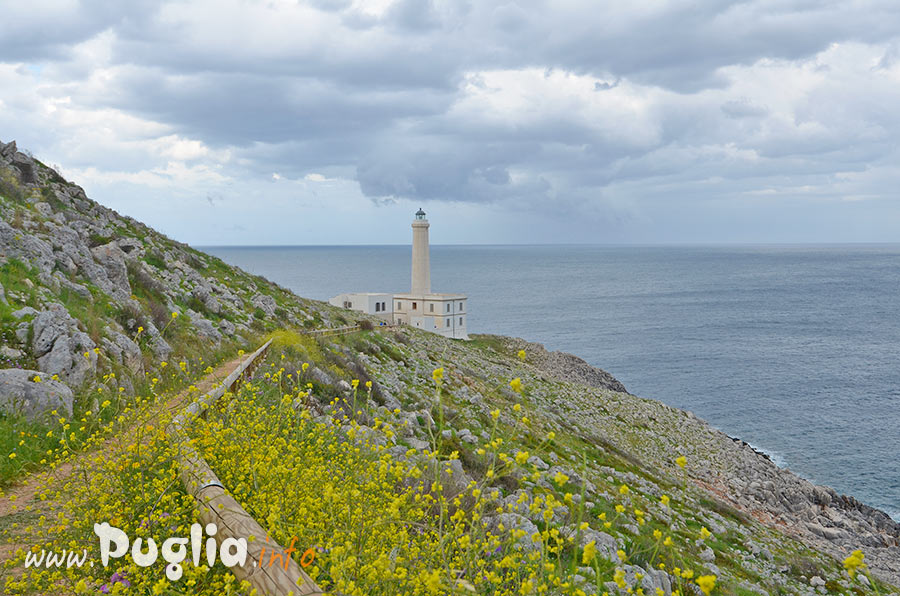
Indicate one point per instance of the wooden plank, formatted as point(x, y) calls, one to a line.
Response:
point(216, 506)
point(278, 576)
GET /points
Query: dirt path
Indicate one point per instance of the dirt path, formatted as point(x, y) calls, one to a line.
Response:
point(17, 498)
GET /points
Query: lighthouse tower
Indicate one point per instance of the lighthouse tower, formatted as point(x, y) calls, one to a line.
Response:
point(421, 265)
point(444, 314)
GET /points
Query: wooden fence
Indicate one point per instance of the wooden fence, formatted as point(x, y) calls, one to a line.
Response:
point(217, 507)
point(333, 331)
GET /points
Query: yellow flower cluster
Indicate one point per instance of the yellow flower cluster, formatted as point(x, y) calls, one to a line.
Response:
point(854, 563)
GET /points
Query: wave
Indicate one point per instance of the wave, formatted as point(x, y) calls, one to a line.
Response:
point(777, 459)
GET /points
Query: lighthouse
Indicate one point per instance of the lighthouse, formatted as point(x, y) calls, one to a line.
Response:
point(421, 265)
point(444, 314)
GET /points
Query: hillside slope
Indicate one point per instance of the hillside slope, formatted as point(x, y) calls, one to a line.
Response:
point(537, 446)
point(85, 292)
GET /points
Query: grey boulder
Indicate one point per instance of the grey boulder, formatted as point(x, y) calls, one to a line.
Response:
point(61, 348)
point(124, 351)
point(20, 394)
point(112, 259)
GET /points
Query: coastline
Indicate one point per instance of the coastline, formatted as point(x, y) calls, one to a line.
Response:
point(741, 475)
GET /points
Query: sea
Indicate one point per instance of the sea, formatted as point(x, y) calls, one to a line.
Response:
point(794, 349)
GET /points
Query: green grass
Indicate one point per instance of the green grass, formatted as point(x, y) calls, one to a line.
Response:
point(92, 313)
point(9, 186)
point(28, 455)
point(154, 259)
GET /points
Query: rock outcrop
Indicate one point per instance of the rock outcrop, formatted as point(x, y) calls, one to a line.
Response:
point(565, 367)
point(26, 393)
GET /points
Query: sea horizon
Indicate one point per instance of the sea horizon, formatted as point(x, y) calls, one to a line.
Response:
point(597, 244)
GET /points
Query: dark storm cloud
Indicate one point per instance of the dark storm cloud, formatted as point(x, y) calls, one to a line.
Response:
point(46, 30)
point(534, 100)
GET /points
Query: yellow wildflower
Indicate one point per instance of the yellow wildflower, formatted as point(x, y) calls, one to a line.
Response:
point(854, 562)
point(706, 583)
point(590, 551)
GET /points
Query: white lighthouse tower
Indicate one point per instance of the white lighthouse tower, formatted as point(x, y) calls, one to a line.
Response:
point(444, 314)
point(421, 263)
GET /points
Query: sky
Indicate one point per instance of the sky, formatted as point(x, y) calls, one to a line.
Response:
point(559, 121)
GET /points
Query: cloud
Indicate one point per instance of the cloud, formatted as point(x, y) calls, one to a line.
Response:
point(615, 111)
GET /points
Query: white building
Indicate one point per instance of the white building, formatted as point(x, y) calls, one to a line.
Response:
point(373, 303)
point(439, 313)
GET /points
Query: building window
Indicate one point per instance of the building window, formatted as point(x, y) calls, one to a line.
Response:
point(414, 306)
point(448, 323)
point(460, 306)
point(384, 306)
point(448, 307)
point(399, 306)
point(431, 308)
point(377, 307)
point(460, 320)
point(349, 305)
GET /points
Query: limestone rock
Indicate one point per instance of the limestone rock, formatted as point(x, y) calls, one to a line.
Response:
point(21, 162)
point(20, 394)
point(112, 259)
point(161, 348)
point(204, 326)
point(71, 357)
point(320, 376)
point(27, 247)
point(264, 302)
point(124, 351)
point(49, 325)
point(11, 353)
point(204, 294)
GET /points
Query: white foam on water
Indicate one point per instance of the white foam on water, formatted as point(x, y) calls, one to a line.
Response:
point(777, 459)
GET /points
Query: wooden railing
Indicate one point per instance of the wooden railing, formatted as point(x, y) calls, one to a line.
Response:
point(218, 507)
point(333, 331)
